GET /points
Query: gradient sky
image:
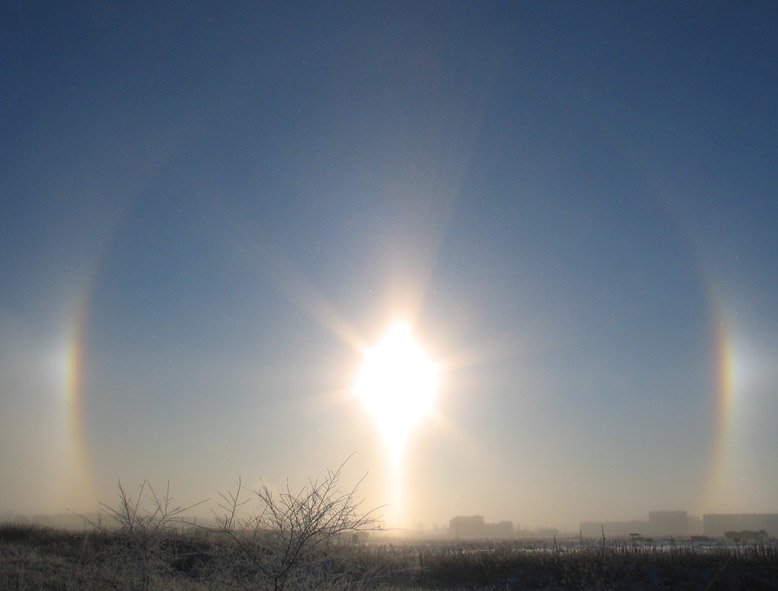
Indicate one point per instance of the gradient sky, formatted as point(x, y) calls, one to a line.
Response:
point(209, 212)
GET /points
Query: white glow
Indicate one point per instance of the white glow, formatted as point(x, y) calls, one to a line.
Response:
point(397, 384)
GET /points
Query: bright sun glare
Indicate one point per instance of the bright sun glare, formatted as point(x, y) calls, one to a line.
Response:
point(397, 384)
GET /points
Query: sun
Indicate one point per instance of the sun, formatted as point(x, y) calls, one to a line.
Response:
point(397, 383)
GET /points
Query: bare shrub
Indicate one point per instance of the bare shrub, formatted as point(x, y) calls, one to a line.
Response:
point(145, 524)
point(296, 536)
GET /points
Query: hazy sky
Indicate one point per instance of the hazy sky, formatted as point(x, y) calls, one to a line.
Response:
point(208, 213)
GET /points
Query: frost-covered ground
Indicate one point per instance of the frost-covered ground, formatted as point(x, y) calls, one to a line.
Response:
point(41, 558)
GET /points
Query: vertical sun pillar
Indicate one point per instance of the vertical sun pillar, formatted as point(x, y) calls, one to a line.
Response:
point(397, 384)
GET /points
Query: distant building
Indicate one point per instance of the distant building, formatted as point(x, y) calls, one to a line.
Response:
point(661, 524)
point(746, 536)
point(473, 527)
point(718, 524)
point(464, 527)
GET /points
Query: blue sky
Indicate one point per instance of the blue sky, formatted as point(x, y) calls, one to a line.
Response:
point(207, 211)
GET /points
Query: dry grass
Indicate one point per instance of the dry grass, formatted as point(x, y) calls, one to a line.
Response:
point(302, 540)
point(42, 558)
